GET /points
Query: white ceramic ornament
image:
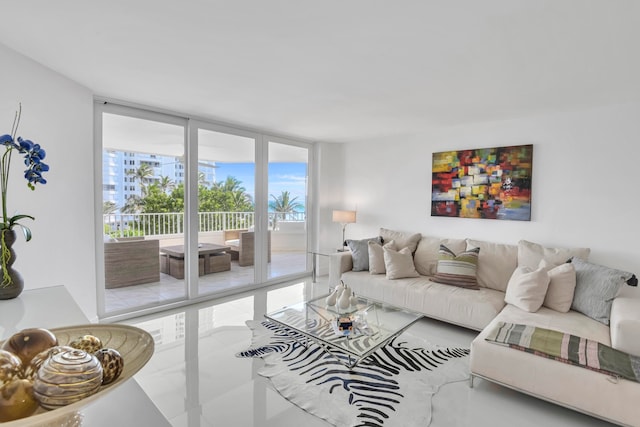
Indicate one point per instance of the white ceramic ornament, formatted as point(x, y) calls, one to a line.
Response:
point(332, 299)
point(344, 300)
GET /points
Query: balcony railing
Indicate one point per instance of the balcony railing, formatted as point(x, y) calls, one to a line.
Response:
point(145, 224)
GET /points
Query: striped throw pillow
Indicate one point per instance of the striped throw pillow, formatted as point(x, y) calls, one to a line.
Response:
point(457, 270)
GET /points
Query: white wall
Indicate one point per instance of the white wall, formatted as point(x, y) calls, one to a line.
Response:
point(57, 114)
point(584, 189)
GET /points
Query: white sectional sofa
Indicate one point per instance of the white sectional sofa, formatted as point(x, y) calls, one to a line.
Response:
point(597, 394)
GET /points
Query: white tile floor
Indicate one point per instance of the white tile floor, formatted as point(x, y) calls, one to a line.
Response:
point(196, 381)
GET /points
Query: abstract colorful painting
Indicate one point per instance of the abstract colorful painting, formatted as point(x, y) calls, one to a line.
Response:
point(491, 183)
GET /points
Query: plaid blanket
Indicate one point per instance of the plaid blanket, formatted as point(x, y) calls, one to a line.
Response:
point(568, 349)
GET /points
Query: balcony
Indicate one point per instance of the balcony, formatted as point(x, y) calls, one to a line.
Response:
point(288, 253)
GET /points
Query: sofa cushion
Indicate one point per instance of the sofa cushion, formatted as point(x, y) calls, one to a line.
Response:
point(527, 288)
point(426, 255)
point(562, 284)
point(496, 263)
point(472, 309)
point(360, 252)
point(398, 264)
point(376, 257)
point(402, 239)
point(625, 325)
point(530, 254)
point(596, 287)
point(457, 269)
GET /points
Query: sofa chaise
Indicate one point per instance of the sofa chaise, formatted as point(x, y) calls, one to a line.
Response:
point(412, 271)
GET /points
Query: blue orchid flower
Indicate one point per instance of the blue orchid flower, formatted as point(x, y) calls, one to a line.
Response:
point(35, 168)
point(33, 156)
point(5, 139)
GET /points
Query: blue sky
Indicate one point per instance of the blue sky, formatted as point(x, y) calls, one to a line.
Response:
point(282, 176)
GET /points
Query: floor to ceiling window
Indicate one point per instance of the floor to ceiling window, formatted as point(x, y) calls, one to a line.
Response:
point(191, 208)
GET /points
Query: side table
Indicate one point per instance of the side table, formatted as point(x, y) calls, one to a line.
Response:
point(314, 260)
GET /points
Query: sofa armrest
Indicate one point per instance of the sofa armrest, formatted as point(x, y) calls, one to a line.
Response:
point(625, 325)
point(338, 264)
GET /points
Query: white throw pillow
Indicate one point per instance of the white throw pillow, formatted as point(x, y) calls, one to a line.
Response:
point(376, 257)
point(527, 288)
point(399, 264)
point(530, 254)
point(562, 284)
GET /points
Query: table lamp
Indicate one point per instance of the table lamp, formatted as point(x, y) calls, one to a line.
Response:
point(344, 218)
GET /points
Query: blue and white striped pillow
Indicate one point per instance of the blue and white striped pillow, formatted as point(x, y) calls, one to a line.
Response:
point(457, 270)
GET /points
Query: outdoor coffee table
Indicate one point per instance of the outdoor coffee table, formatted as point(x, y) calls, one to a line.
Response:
point(375, 324)
point(213, 259)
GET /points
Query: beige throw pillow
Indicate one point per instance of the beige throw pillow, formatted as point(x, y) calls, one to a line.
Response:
point(426, 256)
point(399, 264)
point(530, 254)
point(376, 257)
point(562, 284)
point(496, 263)
point(527, 288)
point(402, 239)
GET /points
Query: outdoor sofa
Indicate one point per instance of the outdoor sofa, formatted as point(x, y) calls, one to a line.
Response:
point(131, 261)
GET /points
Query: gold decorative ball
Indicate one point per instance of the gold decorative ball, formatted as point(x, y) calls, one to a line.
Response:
point(88, 343)
point(17, 400)
point(29, 342)
point(31, 370)
point(112, 364)
point(67, 377)
point(10, 366)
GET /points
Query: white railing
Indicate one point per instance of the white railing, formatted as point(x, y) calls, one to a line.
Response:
point(143, 224)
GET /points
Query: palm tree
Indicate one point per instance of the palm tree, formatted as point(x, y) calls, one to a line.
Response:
point(283, 204)
point(133, 204)
point(240, 199)
point(166, 184)
point(202, 179)
point(143, 175)
point(231, 184)
point(109, 207)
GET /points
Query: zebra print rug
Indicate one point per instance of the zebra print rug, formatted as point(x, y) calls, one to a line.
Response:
point(392, 387)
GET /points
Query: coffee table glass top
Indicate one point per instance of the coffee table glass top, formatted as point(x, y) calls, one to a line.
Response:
point(372, 325)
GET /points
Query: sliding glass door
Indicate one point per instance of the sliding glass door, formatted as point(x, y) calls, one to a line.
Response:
point(190, 208)
point(226, 208)
point(142, 208)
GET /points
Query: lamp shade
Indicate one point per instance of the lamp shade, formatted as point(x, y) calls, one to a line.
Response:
point(344, 217)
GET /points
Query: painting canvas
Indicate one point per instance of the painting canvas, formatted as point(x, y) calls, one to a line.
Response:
point(490, 183)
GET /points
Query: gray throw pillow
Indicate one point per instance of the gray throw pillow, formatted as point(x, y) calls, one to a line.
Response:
point(360, 252)
point(596, 287)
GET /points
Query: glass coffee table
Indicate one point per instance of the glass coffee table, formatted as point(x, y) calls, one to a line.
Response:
point(350, 335)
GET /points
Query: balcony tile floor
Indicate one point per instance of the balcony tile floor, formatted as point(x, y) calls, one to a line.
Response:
point(172, 289)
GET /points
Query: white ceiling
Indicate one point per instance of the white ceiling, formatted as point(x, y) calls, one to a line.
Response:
point(348, 70)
